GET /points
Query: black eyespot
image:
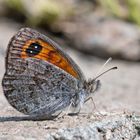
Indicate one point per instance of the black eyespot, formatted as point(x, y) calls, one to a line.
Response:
point(33, 49)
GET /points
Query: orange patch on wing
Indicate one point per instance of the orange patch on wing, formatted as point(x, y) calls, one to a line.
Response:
point(50, 54)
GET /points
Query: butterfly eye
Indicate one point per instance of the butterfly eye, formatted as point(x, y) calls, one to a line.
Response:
point(33, 49)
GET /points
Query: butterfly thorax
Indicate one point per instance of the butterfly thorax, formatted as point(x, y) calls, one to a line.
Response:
point(91, 86)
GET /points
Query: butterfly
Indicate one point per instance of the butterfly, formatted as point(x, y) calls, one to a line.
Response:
point(41, 80)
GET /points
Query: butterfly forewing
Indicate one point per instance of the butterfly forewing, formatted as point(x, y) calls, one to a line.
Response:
point(21, 44)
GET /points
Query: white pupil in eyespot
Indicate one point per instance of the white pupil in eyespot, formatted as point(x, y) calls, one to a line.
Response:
point(33, 49)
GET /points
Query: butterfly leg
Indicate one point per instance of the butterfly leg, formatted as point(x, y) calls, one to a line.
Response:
point(66, 112)
point(75, 111)
point(91, 98)
point(98, 112)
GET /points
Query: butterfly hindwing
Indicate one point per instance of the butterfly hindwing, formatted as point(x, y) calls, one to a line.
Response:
point(40, 88)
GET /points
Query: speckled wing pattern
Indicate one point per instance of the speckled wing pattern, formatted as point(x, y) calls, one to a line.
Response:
point(38, 87)
point(34, 86)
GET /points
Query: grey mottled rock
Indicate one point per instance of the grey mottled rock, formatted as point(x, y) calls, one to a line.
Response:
point(115, 128)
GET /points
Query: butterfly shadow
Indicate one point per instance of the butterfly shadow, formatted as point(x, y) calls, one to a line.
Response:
point(24, 118)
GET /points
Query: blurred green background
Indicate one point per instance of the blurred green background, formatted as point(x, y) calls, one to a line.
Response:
point(49, 12)
point(102, 28)
point(90, 31)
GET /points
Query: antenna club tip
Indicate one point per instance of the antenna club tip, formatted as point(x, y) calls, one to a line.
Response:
point(115, 68)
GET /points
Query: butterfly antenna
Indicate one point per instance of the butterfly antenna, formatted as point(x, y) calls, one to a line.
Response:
point(113, 68)
point(99, 71)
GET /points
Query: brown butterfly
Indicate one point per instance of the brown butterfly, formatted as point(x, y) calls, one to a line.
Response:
point(41, 80)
